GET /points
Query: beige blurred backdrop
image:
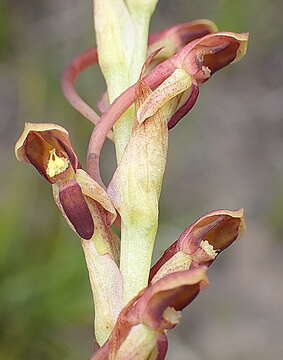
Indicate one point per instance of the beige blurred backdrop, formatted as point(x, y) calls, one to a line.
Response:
point(226, 154)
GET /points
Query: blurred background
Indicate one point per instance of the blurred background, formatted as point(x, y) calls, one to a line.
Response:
point(226, 154)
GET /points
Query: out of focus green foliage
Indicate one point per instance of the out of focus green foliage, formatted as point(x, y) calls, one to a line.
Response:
point(5, 30)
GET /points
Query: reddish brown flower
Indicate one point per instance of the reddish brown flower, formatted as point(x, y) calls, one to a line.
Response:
point(140, 329)
point(179, 76)
point(170, 40)
point(48, 148)
point(204, 56)
point(201, 242)
point(191, 66)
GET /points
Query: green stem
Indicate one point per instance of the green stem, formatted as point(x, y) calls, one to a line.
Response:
point(124, 78)
point(122, 132)
point(122, 37)
point(136, 252)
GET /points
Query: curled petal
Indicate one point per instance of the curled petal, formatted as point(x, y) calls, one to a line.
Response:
point(202, 241)
point(174, 38)
point(182, 34)
point(78, 64)
point(69, 198)
point(103, 102)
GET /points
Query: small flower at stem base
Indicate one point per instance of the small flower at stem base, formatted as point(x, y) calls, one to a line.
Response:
point(142, 324)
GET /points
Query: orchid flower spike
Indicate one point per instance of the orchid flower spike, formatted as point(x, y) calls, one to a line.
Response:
point(160, 74)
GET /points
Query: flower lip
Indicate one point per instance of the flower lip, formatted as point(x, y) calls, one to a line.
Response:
point(76, 208)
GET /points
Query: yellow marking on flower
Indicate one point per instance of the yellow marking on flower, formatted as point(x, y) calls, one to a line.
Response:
point(171, 315)
point(208, 248)
point(56, 165)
